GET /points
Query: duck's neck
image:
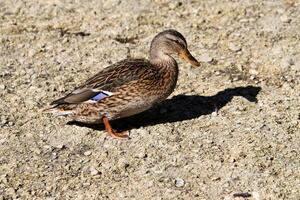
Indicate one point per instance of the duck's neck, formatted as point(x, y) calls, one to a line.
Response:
point(162, 60)
point(168, 69)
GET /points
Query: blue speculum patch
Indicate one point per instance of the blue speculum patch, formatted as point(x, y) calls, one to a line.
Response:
point(99, 96)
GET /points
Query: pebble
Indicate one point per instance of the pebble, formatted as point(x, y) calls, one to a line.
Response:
point(65, 40)
point(5, 73)
point(93, 171)
point(208, 141)
point(3, 178)
point(253, 72)
point(205, 58)
point(242, 194)
point(31, 53)
point(3, 140)
point(11, 123)
point(255, 195)
point(80, 197)
point(240, 67)
point(234, 47)
point(60, 146)
point(87, 153)
point(285, 19)
point(217, 72)
point(235, 79)
point(4, 120)
point(2, 87)
point(174, 5)
point(36, 151)
point(48, 147)
point(54, 156)
point(11, 192)
point(295, 67)
point(142, 153)
point(214, 114)
point(179, 182)
point(286, 62)
point(216, 178)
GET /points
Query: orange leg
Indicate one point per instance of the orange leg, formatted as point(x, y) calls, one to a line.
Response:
point(111, 132)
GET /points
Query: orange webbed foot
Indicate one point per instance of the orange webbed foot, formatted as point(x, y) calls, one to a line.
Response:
point(113, 133)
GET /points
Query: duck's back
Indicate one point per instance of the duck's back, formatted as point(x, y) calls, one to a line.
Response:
point(111, 78)
point(122, 72)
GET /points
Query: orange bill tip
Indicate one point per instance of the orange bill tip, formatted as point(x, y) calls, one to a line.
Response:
point(187, 56)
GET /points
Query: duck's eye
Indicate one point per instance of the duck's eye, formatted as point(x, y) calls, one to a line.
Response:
point(177, 42)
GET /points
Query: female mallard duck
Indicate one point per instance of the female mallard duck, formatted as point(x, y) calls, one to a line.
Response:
point(129, 86)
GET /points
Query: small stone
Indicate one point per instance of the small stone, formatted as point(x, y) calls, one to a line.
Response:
point(31, 53)
point(36, 151)
point(3, 178)
point(2, 87)
point(93, 171)
point(60, 146)
point(253, 72)
point(234, 47)
point(209, 141)
point(255, 195)
point(286, 62)
point(11, 192)
point(232, 160)
point(227, 198)
point(65, 40)
point(174, 5)
point(240, 67)
point(217, 72)
point(205, 58)
point(285, 19)
point(179, 182)
point(142, 154)
point(296, 68)
point(242, 194)
point(235, 79)
point(4, 120)
point(244, 20)
point(214, 114)
point(11, 123)
point(252, 77)
point(2, 141)
point(216, 178)
point(87, 153)
point(47, 147)
point(54, 155)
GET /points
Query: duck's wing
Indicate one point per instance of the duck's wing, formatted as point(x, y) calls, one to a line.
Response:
point(105, 82)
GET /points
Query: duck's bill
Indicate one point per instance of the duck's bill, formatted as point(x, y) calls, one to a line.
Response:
point(187, 56)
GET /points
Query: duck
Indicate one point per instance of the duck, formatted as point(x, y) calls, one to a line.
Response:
point(128, 87)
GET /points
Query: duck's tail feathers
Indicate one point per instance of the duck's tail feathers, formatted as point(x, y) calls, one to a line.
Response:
point(55, 110)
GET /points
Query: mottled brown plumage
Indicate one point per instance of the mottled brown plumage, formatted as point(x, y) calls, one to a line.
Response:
point(127, 87)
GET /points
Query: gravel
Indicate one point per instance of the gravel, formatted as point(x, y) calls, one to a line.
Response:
point(179, 182)
point(205, 58)
point(231, 127)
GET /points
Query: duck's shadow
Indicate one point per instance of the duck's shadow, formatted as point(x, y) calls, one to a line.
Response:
point(179, 108)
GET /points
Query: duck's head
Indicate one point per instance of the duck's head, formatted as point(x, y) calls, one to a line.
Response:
point(167, 43)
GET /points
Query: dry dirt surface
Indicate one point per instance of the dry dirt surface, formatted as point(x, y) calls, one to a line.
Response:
point(229, 131)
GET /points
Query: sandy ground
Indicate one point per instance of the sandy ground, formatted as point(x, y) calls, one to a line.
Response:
point(229, 131)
